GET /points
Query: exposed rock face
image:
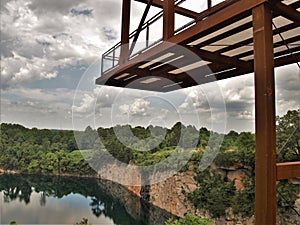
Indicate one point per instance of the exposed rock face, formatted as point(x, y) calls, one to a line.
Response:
point(237, 176)
point(169, 195)
point(135, 207)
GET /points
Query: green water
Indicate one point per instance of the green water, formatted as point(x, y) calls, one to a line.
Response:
point(65, 200)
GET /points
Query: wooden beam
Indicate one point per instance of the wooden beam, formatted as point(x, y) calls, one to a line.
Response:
point(215, 57)
point(265, 154)
point(125, 31)
point(250, 40)
point(178, 9)
point(224, 14)
point(289, 59)
point(168, 19)
point(286, 11)
point(288, 170)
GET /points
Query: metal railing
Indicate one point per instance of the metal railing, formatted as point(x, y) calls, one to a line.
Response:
point(110, 59)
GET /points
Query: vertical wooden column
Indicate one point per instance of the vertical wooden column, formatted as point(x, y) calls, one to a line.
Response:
point(169, 19)
point(125, 31)
point(265, 156)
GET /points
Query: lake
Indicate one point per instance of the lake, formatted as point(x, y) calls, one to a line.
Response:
point(65, 200)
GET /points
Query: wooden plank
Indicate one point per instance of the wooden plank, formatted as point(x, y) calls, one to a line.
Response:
point(213, 20)
point(215, 57)
point(225, 14)
point(288, 170)
point(286, 11)
point(265, 154)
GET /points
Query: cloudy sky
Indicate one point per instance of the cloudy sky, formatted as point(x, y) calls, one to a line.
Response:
point(50, 57)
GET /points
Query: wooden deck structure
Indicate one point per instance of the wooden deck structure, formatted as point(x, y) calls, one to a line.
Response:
point(232, 38)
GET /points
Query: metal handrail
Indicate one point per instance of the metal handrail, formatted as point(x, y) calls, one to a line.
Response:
point(146, 25)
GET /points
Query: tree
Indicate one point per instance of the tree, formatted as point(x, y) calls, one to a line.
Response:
point(189, 220)
point(204, 135)
point(246, 148)
point(214, 193)
point(288, 136)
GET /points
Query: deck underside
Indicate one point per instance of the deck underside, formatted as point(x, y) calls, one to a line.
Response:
point(217, 45)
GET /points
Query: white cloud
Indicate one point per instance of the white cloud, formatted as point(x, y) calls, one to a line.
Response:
point(40, 36)
point(139, 107)
point(41, 95)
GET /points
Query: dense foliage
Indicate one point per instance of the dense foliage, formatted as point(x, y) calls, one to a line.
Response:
point(288, 136)
point(189, 220)
point(40, 151)
point(55, 152)
point(215, 194)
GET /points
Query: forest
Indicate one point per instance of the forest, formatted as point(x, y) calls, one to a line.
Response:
point(44, 152)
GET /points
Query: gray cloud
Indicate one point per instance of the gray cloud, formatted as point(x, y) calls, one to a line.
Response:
point(53, 6)
point(39, 36)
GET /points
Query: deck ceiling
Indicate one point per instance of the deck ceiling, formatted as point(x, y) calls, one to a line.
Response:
point(217, 46)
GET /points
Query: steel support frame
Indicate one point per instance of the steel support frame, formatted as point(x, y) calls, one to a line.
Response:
point(265, 154)
point(168, 19)
point(125, 29)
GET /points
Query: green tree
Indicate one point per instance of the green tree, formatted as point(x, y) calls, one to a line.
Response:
point(246, 148)
point(288, 136)
point(243, 201)
point(214, 193)
point(189, 220)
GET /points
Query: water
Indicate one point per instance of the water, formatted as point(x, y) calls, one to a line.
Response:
point(65, 200)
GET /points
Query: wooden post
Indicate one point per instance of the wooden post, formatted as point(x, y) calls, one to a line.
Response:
point(125, 31)
point(265, 155)
point(169, 19)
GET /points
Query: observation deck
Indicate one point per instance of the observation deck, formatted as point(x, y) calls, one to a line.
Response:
point(229, 39)
point(221, 37)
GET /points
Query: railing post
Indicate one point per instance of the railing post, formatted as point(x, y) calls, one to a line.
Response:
point(147, 35)
point(209, 4)
point(265, 154)
point(125, 31)
point(102, 64)
point(168, 19)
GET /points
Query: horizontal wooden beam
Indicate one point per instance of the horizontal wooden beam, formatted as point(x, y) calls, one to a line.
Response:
point(215, 57)
point(288, 59)
point(286, 11)
point(288, 170)
point(178, 9)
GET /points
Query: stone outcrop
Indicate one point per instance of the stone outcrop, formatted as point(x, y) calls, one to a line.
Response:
point(138, 209)
point(169, 195)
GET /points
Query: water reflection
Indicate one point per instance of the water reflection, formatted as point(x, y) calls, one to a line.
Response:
point(65, 200)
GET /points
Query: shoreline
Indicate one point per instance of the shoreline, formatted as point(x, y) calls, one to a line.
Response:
point(16, 172)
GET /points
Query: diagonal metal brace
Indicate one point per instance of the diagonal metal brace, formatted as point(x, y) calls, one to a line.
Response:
point(138, 31)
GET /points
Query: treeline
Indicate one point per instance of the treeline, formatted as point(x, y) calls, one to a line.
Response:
point(55, 152)
point(40, 151)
